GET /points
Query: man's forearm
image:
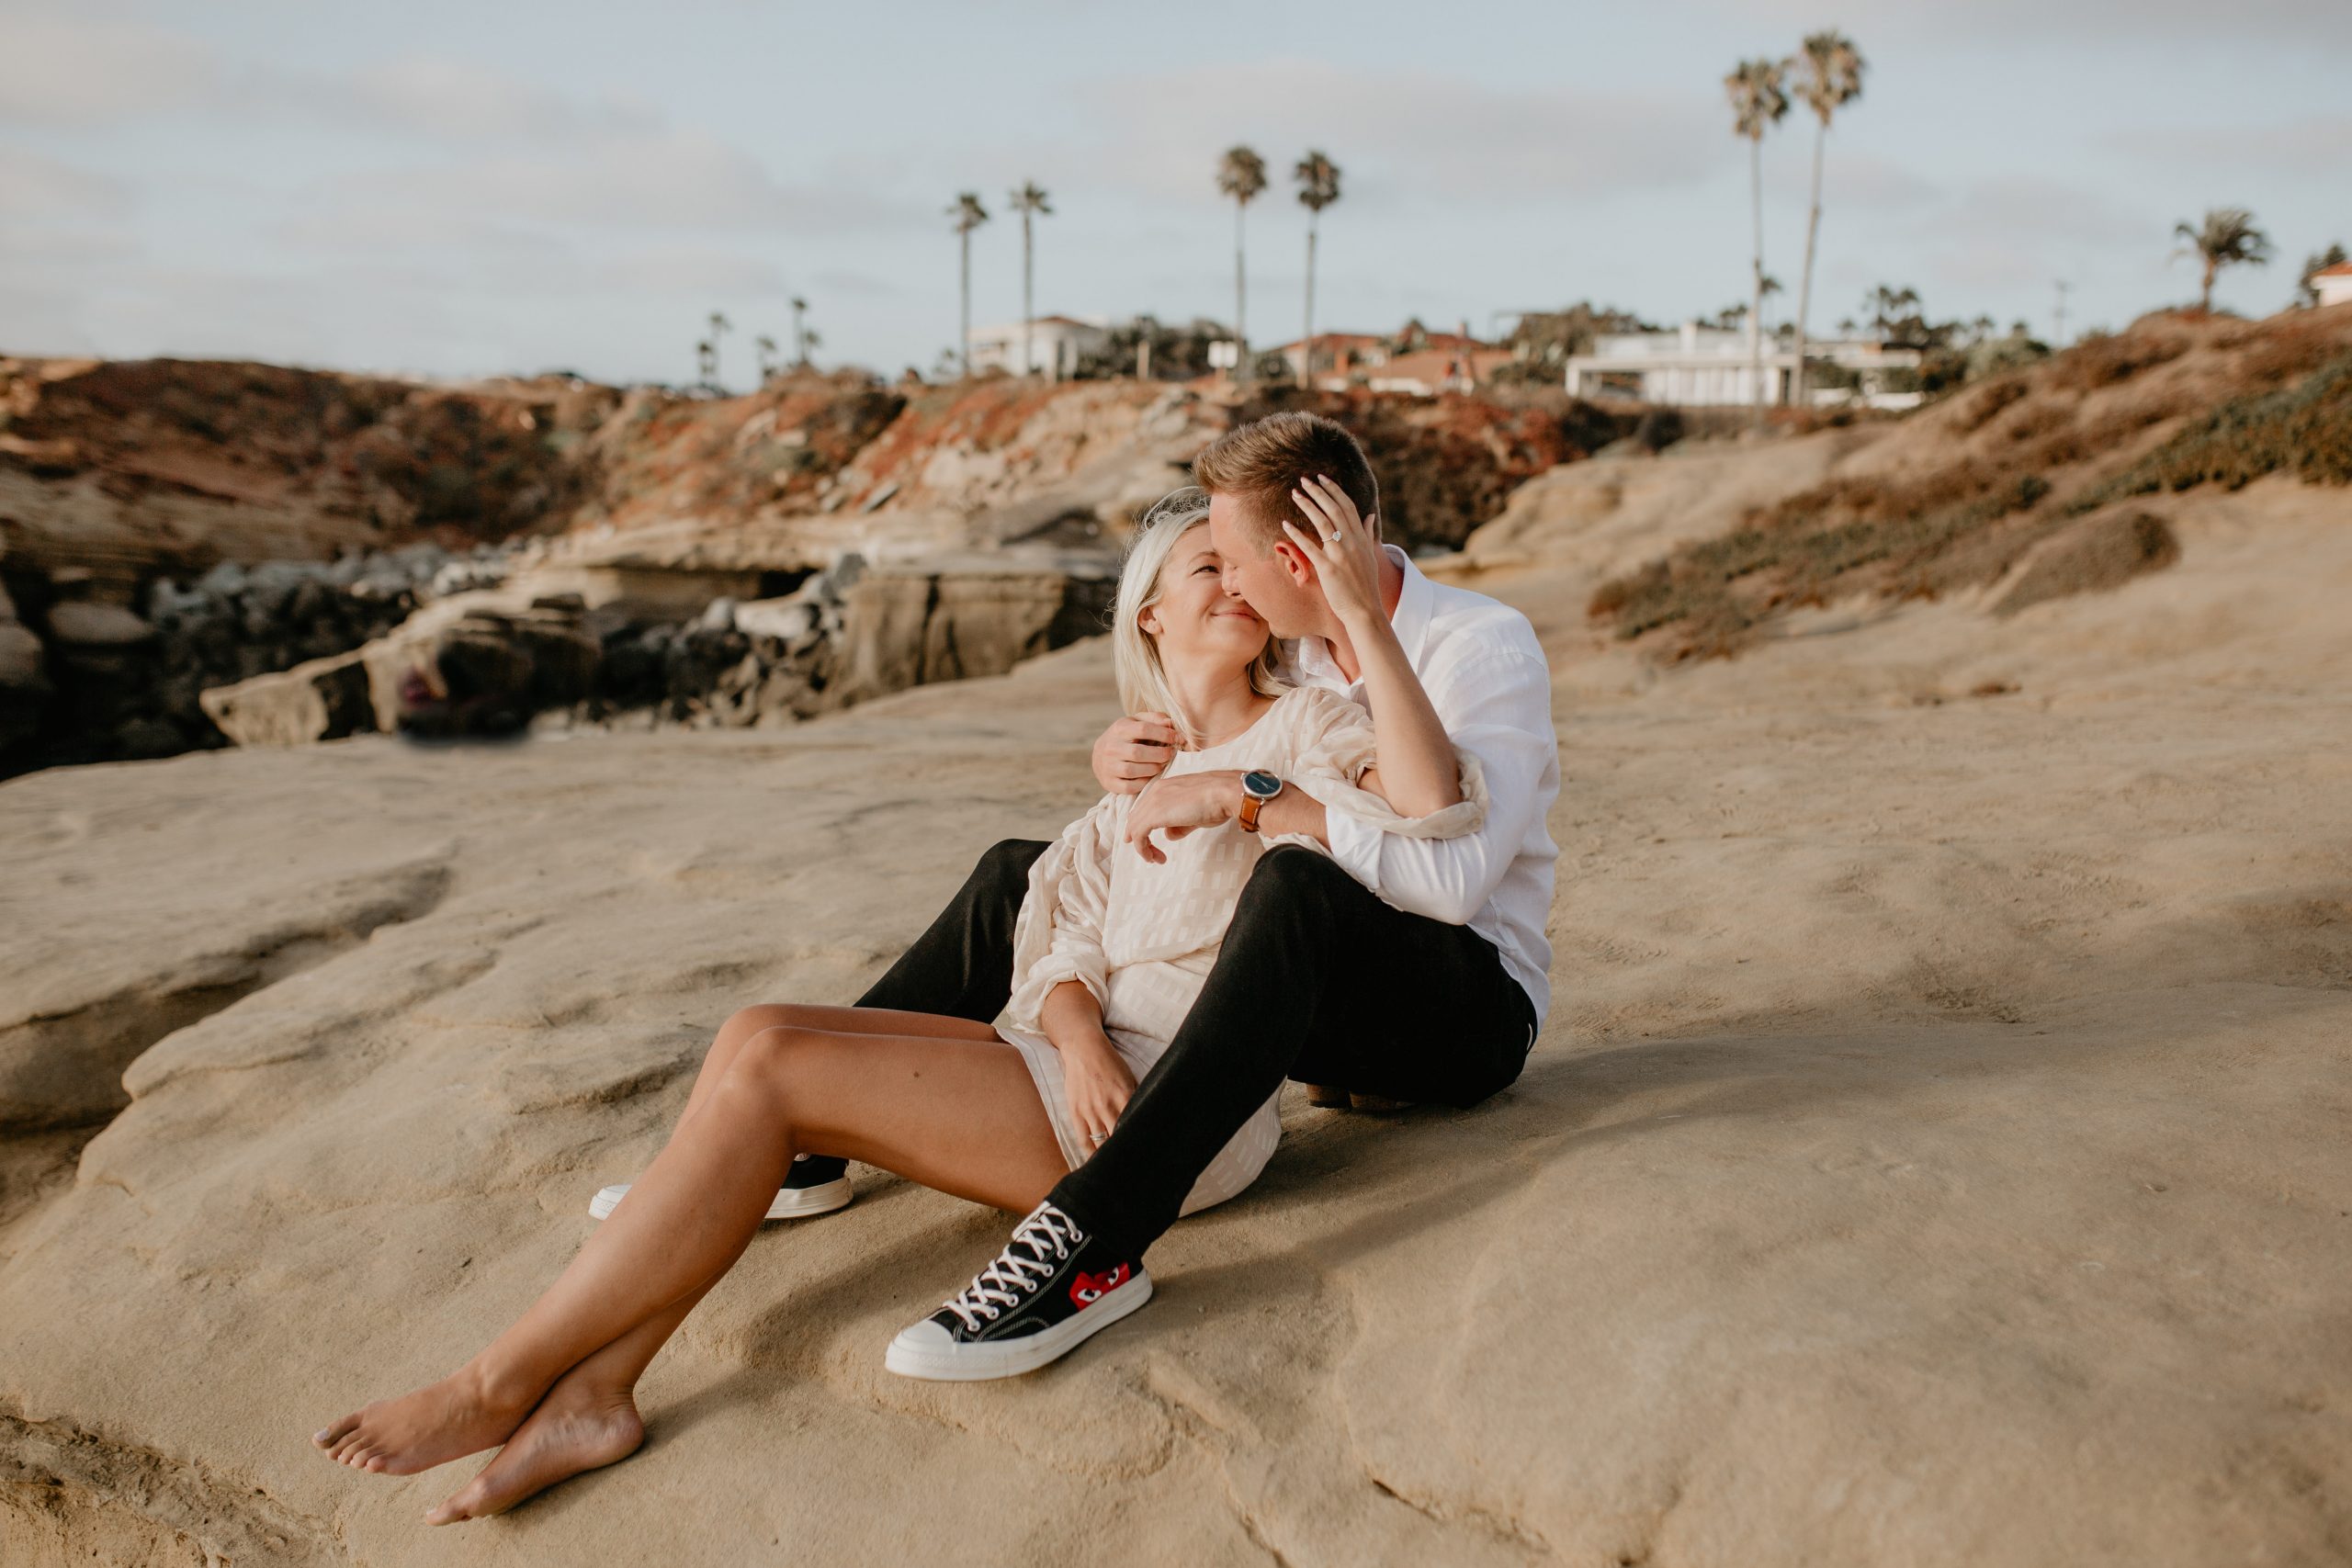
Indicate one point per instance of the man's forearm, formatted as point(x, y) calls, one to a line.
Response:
point(1417, 771)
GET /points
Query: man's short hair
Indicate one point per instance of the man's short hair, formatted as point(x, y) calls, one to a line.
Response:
point(1261, 462)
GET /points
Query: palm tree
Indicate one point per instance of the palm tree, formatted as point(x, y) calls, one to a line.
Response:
point(1829, 76)
point(810, 341)
point(1318, 187)
point(799, 331)
point(1240, 174)
point(2228, 238)
point(765, 345)
point(969, 215)
point(719, 326)
point(706, 362)
point(1030, 198)
point(1758, 103)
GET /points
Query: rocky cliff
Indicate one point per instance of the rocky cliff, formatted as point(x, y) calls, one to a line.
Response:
point(125, 487)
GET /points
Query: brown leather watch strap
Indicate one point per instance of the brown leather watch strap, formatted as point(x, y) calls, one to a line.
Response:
point(1251, 805)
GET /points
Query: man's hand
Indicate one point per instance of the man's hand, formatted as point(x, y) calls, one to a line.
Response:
point(1096, 1078)
point(1178, 806)
point(1132, 752)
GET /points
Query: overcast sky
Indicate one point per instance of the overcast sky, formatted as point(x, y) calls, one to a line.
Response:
point(459, 188)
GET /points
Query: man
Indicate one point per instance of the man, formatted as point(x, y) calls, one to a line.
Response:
point(1409, 969)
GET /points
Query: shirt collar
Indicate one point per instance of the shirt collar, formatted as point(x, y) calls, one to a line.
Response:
point(1414, 606)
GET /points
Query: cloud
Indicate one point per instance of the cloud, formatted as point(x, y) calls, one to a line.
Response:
point(687, 270)
point(35, 189)
point(2011, 24)
point(1849, 178)
point(664, 179)
point(1443, 138)
point(73, 73)
point(58, 72)
point(2315, 144)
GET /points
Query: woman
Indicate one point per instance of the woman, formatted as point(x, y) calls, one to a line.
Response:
point(1113, 941)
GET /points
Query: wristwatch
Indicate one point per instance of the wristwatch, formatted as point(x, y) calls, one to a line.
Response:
point(1257, 788)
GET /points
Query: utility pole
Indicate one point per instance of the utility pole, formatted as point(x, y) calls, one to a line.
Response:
point(2058, 336)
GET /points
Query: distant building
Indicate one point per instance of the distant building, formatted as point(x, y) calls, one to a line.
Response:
point(1435, 370)
point(2333, 283)
point(1056, 346)
point(1373, 359)
point(1700, 365)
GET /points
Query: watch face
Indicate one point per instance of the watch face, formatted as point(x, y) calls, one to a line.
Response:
point(1264, 785)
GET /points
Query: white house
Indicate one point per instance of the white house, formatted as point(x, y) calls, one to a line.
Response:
point(1702, 364)
point(1056, 346)
point(2333, 283)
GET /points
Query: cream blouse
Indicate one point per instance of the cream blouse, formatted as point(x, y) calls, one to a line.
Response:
point(1141, 937)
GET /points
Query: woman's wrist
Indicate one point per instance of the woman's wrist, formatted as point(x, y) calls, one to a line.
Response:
point(1082, 1042)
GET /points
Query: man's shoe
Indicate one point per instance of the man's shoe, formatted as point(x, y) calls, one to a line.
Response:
point(817, 1184)
point(1052, 1286)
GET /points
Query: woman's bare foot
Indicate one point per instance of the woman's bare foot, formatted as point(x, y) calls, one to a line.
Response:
point(442, 1421)
point(578, 1427)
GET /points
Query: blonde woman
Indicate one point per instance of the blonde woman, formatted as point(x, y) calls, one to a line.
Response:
point(1112, 943)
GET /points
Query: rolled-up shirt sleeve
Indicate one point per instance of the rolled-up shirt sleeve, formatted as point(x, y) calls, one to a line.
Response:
point(1497, 708)
point(1059, 934)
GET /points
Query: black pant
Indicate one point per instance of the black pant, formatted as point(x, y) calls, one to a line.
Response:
point(1318, 978)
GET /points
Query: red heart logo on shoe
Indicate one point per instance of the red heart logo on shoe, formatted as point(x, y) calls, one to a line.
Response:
point(1088, 1289)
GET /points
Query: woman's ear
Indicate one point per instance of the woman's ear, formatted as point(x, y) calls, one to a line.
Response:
point(1148, 623)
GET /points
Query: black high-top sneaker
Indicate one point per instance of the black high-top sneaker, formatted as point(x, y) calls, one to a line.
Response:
point(1052, 1286)
point(817, 1184)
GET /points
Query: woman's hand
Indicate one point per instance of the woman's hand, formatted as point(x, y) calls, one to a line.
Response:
point(1176, 806)
point(1098, 1082)
point(1345, 561)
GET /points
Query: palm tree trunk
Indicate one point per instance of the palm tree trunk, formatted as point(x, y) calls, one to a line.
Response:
point(2205, 300)
point(1307, 344)
point(1240, 335)
point(1028, 297)
point(964, 344)
point(1804, 285)
point(1756, 305)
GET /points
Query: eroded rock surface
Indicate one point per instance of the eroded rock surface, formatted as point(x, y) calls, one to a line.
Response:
point(1936, 1153)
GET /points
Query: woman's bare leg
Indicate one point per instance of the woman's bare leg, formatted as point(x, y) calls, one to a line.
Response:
point(954, 1113)
point(748, 1022)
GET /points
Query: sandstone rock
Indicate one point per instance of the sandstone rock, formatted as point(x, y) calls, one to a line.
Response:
point(25, 688)
point(904, 627)
point(323, 699)
point(81, 623)
point(787, 620)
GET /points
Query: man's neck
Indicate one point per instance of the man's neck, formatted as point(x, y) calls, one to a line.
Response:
point(1343, 651)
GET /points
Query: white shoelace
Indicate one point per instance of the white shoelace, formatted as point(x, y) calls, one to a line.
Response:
point(1004, 1282)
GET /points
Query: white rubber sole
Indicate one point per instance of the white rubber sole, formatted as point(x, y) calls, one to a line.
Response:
point(910, 1357)
point(791, 1202)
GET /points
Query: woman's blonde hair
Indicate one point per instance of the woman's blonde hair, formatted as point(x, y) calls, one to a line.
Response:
point(1143, 680)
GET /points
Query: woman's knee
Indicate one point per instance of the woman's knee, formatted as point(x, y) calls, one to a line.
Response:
point(744, 1022)
point(776, 1062)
